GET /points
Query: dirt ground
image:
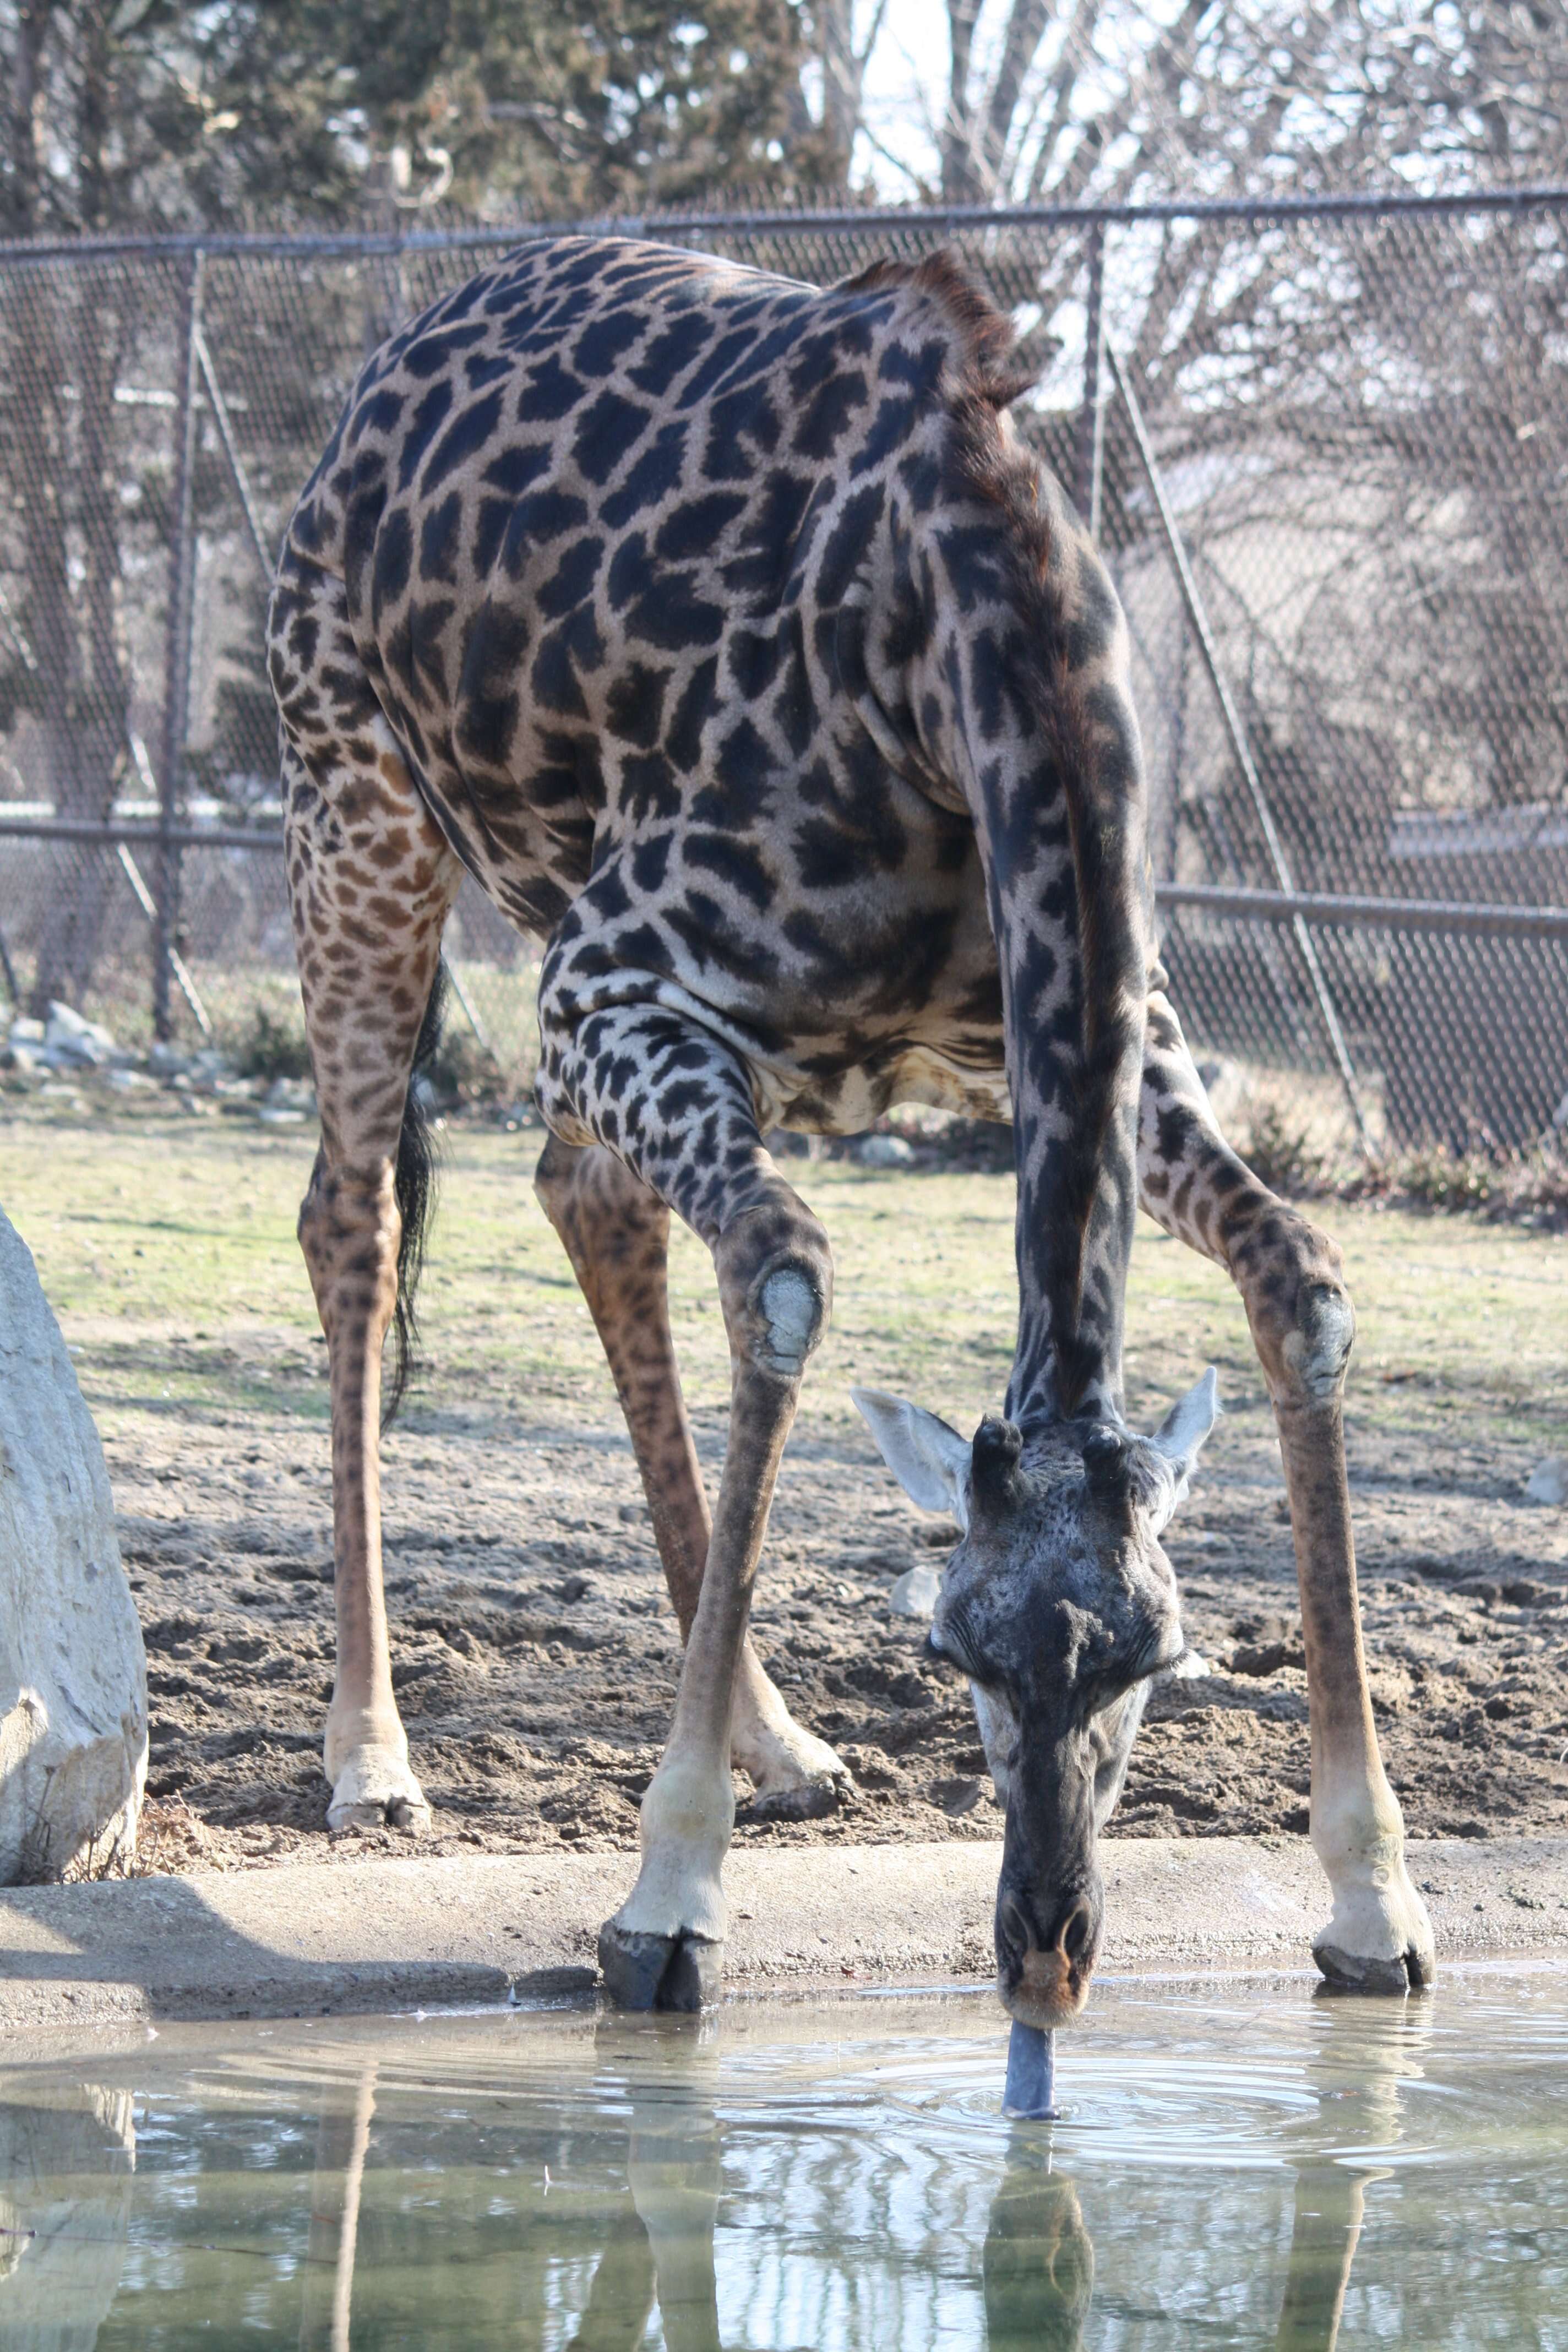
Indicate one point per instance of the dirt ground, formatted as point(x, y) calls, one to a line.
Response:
point(534, 1652)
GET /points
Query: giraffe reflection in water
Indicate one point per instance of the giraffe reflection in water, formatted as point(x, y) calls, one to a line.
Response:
point(1037, 2268)
point(1357, 2076)
point(342, 2143)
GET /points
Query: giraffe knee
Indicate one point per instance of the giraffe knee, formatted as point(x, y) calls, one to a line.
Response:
point(794, 1316)
point(1317, 1350)
point(1299, 1309)
point(775, 1283)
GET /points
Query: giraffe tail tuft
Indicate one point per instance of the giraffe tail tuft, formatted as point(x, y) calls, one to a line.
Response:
point(414, 1185)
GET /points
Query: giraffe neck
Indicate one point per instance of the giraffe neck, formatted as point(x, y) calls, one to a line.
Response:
point(1025, 700)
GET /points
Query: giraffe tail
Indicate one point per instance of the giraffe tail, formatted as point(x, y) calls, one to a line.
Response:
point(414, 1187)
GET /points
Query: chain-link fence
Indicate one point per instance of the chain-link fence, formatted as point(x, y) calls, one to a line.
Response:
point(1326, 449)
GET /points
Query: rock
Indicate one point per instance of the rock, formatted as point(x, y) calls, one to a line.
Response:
point(24, 1032)
point(915, 1593)
point(129, 1082)
point(71, 1042)
point(292, 1094)
point(1261, 1659)
point(73, 1675)
point(1548, 1482)
point(883, 1151)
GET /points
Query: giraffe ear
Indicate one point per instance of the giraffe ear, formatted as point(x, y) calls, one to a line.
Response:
point(928, 1458)
point(1188, 1422)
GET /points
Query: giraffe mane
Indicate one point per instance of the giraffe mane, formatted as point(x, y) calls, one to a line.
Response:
point(986, 337)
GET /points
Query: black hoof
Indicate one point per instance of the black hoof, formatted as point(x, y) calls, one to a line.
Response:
point(673, 1972)
point(812, 1802)
point(1347, 1972)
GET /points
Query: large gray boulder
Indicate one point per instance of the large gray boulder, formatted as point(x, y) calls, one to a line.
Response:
point(73, 1674)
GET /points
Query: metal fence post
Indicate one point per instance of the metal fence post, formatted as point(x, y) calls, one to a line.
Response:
point(177, 648)
point(1091, 415)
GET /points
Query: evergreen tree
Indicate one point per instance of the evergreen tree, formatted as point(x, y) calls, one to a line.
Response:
point(162, 113)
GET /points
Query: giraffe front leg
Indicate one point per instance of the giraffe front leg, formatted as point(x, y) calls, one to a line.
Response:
point(616, 1233)
point(662, 1948)
point(1378, 1938)
point(675, 1104)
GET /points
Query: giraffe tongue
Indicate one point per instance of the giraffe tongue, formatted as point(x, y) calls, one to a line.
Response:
point(1031, 2069)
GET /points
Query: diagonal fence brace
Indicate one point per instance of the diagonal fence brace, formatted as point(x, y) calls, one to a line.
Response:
point(1197, 615)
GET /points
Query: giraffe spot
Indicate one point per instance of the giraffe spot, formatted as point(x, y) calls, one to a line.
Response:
point(607, 432)
point(427, 421)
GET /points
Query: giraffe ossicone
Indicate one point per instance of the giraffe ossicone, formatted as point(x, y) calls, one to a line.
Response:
point(729, 634)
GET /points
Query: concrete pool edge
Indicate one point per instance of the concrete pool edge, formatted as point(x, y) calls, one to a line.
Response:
point(392, 1932)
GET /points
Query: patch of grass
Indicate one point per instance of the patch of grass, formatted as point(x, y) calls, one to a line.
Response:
point(167, 1247)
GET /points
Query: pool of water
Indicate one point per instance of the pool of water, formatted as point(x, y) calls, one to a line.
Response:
point(1241, 2163)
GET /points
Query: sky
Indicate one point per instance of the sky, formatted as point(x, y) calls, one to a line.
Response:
point(906, 82)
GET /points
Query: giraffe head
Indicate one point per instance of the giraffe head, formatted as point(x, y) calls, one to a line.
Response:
point(1059, 1605)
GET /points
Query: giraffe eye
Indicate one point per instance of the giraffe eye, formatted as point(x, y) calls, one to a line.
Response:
point(951, 1650)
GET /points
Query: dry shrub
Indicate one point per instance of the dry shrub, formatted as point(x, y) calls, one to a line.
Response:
point(1527, 1187)
point(173, 1839)
point(1282, 1154)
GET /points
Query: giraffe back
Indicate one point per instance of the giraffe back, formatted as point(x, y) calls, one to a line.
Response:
point(639, 552)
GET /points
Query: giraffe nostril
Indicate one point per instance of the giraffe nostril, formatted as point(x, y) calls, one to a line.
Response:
point(1073, 1937)
point(1014, 1931)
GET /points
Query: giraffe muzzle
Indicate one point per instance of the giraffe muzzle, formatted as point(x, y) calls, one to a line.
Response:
point(1047, 1946)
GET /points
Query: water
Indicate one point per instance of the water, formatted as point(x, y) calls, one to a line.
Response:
point(1241, 2165)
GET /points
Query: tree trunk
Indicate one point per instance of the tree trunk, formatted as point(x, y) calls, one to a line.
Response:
point(73, 345)
point(842, 74)
point(960, 177)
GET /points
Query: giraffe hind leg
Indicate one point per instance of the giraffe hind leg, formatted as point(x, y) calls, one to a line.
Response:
point(616, 1233)
point(1378, 1939)
point(370, 882)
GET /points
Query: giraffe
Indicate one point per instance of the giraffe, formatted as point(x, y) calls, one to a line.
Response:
point(726, 630)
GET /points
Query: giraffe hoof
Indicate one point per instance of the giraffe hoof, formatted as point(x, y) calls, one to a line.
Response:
point(376, 1791)
point(807, 1801)
point(409, 1814)
point(682, 1971)
point(1407, 1971)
